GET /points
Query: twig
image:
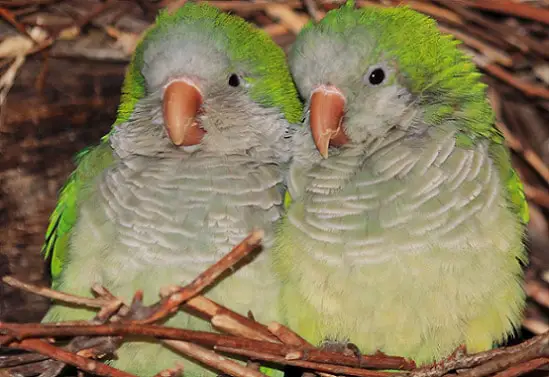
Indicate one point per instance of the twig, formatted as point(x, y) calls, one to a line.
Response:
point(56, 295)
point(313, 11)
point(523, 368)
point(287, 336)
point(67, 357)
point(290, 19)
point(508, 7)
point(206, 278)
point(46, 366)
point(537, 291)
point(212, 359)
point(10, 17)
point(536, 195)
point(332, 369)
point(12, 360)
point(22, 331)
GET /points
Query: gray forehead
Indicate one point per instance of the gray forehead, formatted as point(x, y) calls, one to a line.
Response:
point(328, 57)
point(187, 50)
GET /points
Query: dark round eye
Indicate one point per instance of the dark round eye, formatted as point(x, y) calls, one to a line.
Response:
point(234, 80)
point(377, 76)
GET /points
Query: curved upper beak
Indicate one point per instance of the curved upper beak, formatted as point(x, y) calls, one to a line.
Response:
point(326, 114)
point(181, 103)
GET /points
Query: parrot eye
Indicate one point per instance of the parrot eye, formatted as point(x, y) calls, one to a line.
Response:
point(376, 76)
point(234, 80)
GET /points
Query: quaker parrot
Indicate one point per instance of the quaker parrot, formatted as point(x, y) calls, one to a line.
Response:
point(404, 232)
point(194, 162)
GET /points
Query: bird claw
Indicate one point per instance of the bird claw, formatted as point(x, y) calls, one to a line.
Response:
point(137, 310)
point(106, 346)
point(95, 348)
point(346, 348)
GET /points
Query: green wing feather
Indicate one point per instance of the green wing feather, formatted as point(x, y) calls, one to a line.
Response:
point(91, 162)
point(515, 190)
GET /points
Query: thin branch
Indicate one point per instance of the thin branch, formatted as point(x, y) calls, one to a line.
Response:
point(208, 277)
point(67, 357)
point(23, 331)
point(56, 295)
point(332, 369)
point(213, 360)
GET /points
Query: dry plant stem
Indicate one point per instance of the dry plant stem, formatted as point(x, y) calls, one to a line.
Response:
point(537, 291)
point(22, 331)
point(287, 336)
point(109, 303)
point(332, 369)
point(506, 76)
point(489, 362)
point(212, 359)
point(535, 326)
point(13, 360)
point(9, 17)
point(67, 357)
point(48, 366)
point(532, 349)
point(520, 369)
point(55, 295)
point(508, 7)
point(234, 325)
point(313, 11)
point(206, 278)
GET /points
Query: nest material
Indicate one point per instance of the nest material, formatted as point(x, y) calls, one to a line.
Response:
point(61, 68)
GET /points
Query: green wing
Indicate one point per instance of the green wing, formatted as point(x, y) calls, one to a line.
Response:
point(513, 185)
point(90, 163)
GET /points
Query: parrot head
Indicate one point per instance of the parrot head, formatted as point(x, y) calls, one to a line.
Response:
point(201, 78)
point(367, 72)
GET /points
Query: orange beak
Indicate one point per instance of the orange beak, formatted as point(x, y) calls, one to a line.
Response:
point(327, 110)
point(181, 103)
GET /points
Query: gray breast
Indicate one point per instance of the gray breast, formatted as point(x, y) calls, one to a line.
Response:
point(405, 198)
point(189, 210)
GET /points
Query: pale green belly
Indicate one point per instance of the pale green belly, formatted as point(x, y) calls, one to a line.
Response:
point(99, 257)
point(422, 306)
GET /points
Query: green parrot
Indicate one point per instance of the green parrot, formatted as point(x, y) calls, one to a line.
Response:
point(195, 160)
point(407, 213)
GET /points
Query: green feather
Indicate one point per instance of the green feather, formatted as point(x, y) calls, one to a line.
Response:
point(91, 162)
point(515, 191)
point(350, 3)
point(246, 44)
point(287, 200)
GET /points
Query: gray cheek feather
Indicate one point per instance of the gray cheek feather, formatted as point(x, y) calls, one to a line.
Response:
point(377, 110)
point(234, 123)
